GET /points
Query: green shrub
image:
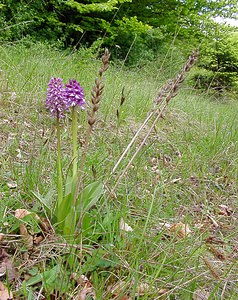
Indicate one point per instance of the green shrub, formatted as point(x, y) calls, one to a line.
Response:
point(214, 81)
point(218, 62)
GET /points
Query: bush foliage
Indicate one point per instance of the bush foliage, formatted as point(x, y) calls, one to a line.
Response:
point(135, 31)
point(219, 61)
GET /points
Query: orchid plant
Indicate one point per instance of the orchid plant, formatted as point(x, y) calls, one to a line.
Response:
point(71, 204)
point(71, 211)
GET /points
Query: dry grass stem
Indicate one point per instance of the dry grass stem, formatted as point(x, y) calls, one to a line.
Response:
point(211, 268)
point(123, 98)
point(166, 93)
point(97, 90)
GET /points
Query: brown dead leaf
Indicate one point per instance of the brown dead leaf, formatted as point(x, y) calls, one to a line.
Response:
point(85, 292)
point(30, 239)
point(3, 254)
point(181, 229)
point(162, 291)
point(21, 213)
point(125, 298)
point(211, 268)
point(4, 294)
point(27, 237)
point(214, 240)
point(120, 288)
point(45, 225)
point(117, 288)
point(6, 266)
point(86, 288)
point(38, 239)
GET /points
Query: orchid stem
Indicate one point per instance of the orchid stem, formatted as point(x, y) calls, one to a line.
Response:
point(59, 172)
point(74, 141)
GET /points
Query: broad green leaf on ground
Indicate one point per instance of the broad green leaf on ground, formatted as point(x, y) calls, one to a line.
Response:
point(45, 201)
point(90, 195)
point(48, 278)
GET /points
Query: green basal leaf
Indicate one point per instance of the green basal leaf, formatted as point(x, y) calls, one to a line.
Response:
point(68, 185)
point(65, 213)
point(69, 215)
point(101, 259)
point(90, 195)
point(86, 223)
point(70, 222)
point(48, 277)
point(64, 209)
point(45, 201)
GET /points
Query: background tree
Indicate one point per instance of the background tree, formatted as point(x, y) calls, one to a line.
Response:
point(88, 20)
point(218, 64)
point(136, 30)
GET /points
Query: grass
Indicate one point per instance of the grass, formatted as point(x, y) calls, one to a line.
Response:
point(185, 175)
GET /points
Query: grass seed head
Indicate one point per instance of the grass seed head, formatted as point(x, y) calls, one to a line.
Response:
point(98, 88)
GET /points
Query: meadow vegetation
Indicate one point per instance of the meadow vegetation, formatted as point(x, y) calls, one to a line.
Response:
point(169, 228)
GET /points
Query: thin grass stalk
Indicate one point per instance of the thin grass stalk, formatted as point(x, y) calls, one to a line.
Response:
point(144, 229)
point(132, 142)
point(137, 150)
point(159, 99)
point(131, 46)
point(180, 286)
point(166, 93)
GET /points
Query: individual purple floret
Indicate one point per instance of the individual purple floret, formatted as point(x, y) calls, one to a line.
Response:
point(56, 100)
point(74, 94)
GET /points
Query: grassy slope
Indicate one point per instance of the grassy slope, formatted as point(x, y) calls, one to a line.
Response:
point(187, 168)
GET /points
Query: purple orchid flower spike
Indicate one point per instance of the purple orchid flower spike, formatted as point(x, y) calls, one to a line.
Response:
point(56, 100)
point(74, 94)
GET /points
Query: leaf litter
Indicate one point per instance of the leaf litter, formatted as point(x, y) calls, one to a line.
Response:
point(5, 293)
